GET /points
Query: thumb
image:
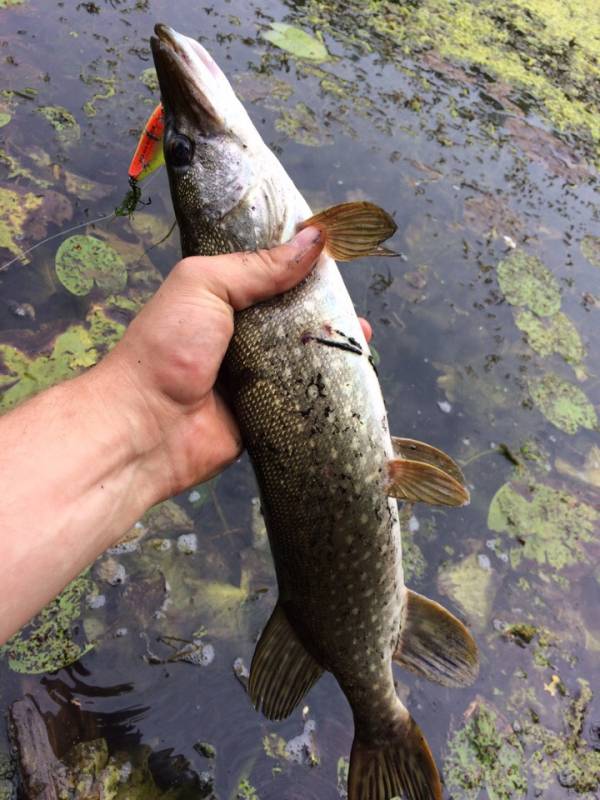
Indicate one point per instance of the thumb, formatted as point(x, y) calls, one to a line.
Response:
point(243, 279)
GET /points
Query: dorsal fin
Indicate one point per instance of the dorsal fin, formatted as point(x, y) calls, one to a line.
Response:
point(282, 670)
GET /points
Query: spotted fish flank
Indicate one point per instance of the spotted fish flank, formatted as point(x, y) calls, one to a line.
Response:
point(308, 403)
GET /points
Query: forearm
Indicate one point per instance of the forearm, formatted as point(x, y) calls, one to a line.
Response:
point(74, 476)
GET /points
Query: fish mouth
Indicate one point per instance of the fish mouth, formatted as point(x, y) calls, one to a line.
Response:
point(191, 83)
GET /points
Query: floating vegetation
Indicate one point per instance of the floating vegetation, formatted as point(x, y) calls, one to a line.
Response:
point(64, 123)
point(562, 403)
point(83, 262)
point(555, 334)
point(5, 117)
point(485, 755)
point(525, 281)
point(296, 41)
point(550, 525)
point(47, 643)
point(590, 247)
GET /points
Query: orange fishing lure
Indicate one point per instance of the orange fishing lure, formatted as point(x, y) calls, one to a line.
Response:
point(148, 154)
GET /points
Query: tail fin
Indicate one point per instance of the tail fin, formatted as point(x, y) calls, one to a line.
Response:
point(401, 767)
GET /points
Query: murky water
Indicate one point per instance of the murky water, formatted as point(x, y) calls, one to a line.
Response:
point(485, 331)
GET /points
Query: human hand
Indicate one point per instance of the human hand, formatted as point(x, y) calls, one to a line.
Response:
point(172, 352)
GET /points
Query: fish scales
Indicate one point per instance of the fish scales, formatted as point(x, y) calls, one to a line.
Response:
point(307, 400)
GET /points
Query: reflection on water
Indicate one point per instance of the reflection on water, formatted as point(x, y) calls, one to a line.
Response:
point(485, 335)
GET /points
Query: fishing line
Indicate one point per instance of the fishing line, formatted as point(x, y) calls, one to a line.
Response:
point(102, 218)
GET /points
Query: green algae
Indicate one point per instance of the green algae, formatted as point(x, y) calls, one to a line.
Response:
point(590, 247)
point(555, 334)
point(472, 587)
point(551, 525)
point(15, 209)
point(110, 84)
point(7, 3)
point(485, 756)
point(150, 79)
point(5, 118)
point(77, 348)
point(64, 123)
point(539, 52)
point(83, 262)
point(302, 125)
point(525, 281)
point(17, 170)
point(296, 41)
point(245, 791)
point(562, 403)
point(47, 643)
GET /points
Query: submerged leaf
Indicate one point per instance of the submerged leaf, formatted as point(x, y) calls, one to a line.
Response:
point(562, 403)
point(5, 118)
point(525, 281)
point(82, 261)
point(590, 247)
point(472, 587)
point(296, 41)
point(556, 334)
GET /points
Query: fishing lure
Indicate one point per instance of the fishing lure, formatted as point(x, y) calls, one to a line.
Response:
point(148, 155)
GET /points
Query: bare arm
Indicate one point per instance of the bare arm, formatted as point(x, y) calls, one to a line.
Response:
point(81, 462)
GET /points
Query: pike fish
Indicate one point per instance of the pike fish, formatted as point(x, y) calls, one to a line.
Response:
point(309, 406)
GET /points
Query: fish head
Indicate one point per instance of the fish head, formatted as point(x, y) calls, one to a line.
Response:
point(229, 191)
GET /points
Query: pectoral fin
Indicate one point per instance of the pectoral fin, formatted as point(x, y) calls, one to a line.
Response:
point(354, 230)
point(422, 473)
point(282, 670)
point(420, 451)
point(435, 644)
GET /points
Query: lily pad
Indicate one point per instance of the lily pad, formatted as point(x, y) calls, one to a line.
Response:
point(562, 403)
point(82, 261)
point(47, 644)
point(526, 281)
point(590, 247)
point(556, 334)
point(550, 525)
point(296, 41)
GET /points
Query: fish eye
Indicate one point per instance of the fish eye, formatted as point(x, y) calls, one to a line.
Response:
point(180, 150)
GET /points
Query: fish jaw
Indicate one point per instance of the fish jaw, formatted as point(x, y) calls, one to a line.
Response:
point(234, 194)
point(191, 81)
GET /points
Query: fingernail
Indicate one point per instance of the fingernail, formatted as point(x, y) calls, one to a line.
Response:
point(307, 237)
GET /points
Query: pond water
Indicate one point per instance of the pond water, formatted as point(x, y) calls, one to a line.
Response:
point(476, 125)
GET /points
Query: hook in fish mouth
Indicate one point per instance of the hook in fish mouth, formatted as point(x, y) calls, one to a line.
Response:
point(191, 83)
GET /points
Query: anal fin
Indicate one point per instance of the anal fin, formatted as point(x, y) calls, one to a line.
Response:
point(422, 473)
point(282, 670)
point(435, 644)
